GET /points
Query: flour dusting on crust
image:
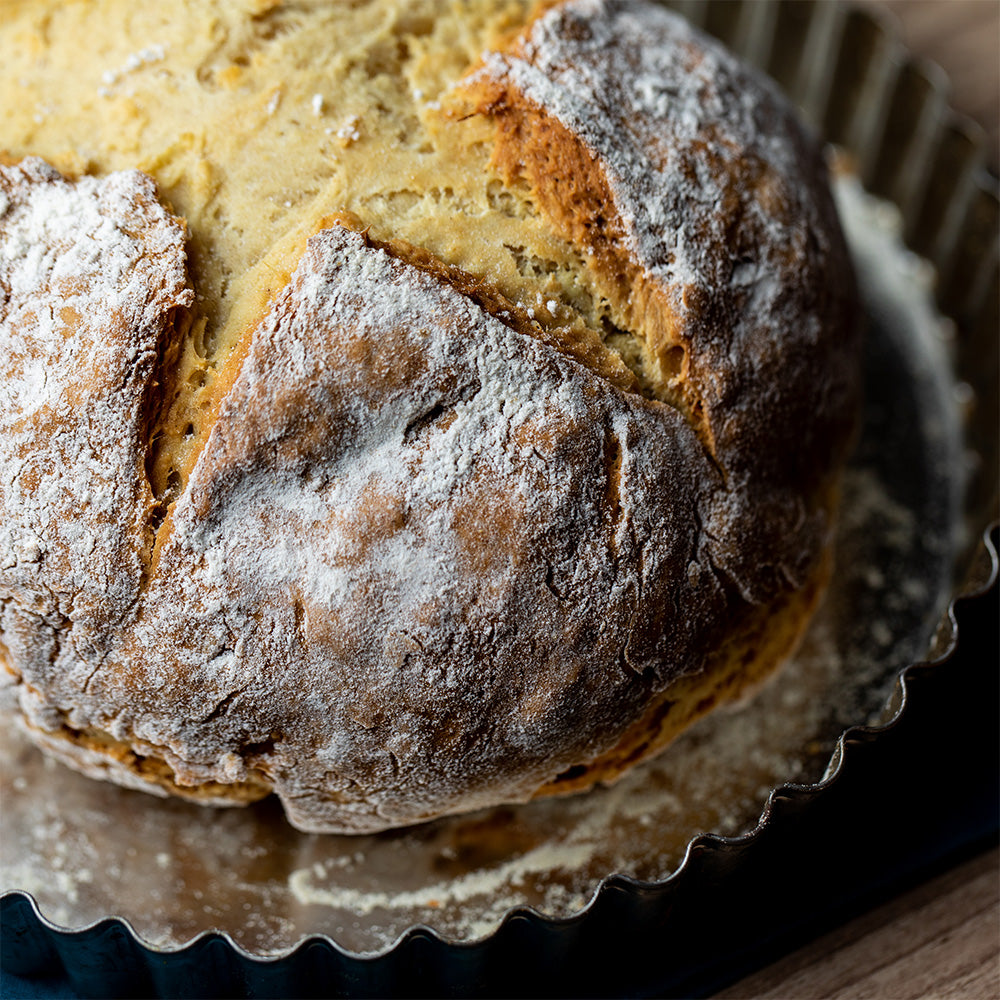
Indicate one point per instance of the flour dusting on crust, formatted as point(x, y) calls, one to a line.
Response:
point(721, 201)
point(424, 560)
point(394, 524)
point(90, 274)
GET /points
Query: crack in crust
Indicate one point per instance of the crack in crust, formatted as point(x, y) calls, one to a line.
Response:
point(569, 183)
point(586, 350)
point(426, 553)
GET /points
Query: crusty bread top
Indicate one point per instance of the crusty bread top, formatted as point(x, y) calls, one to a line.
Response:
point(700, 205)
point(425, 549)
point(91, 275)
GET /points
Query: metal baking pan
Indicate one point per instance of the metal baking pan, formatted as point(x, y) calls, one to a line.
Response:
point(873, 804)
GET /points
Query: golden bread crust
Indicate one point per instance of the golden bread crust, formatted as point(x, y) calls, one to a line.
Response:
point(428, 552)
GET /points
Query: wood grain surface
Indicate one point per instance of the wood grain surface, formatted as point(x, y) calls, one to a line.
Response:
point(941, 940)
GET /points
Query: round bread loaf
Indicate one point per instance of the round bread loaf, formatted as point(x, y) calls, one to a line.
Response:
point(449, 413)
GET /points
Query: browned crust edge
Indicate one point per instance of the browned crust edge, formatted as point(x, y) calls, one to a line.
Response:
point(765, 639)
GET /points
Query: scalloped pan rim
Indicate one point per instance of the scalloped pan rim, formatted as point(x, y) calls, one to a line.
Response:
point(22, 907)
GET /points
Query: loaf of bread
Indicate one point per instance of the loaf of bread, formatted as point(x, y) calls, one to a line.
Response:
point(407, 407)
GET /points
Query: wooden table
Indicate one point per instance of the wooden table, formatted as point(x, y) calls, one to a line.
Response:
point(941, 939)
